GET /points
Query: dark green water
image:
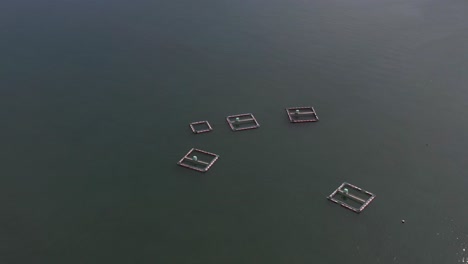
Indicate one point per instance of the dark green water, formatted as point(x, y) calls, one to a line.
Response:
point(96, 98)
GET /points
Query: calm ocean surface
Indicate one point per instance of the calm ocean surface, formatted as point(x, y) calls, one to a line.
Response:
point(96, 98)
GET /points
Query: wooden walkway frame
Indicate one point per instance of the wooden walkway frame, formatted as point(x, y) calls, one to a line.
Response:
point(195, 131)
point(243, 118)
point(303, 111)
point(188, 157)
point(339, 191)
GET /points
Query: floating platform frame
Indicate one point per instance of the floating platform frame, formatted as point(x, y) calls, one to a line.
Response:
point(192, 162)
point(344, 192)
point(296, 113)
point(235, 121)
point(198, 131)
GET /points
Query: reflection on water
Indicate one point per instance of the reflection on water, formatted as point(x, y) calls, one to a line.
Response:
point(97, 97)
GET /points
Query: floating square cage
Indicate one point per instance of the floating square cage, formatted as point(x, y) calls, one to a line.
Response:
point(242, 122)
point(351, 197)
point(198, 160)
point(200, 127)
point(302, 114)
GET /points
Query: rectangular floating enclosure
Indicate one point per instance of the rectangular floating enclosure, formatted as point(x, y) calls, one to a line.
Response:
point(198, 160)
point(351, 197)
point(200, 127)
point(242, 122)
point(302, 114)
